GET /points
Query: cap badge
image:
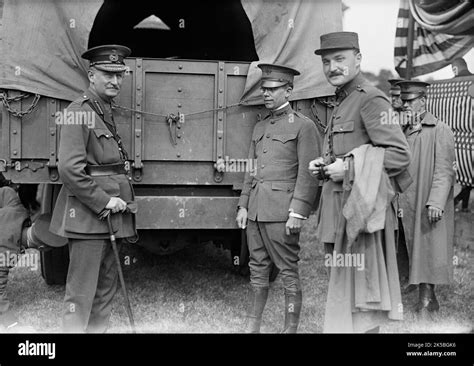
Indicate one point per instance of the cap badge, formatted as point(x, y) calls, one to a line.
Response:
point(113, 57)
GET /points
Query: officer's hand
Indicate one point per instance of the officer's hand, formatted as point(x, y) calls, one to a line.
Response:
point(242, 218)
point(116, 204)
point(434, 214)
point(293, 225)
point(315, 165)
point(335, 171)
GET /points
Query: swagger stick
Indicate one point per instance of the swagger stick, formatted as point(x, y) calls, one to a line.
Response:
point(119, 267)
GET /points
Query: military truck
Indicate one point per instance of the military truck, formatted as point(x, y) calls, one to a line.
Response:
point(186, 111)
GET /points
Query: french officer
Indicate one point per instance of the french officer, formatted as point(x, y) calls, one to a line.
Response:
point(92, 169)
point(357, 301)
point(277, 198)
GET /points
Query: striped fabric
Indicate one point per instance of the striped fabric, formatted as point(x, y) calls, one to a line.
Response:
point(450, 101)
point(433, 46)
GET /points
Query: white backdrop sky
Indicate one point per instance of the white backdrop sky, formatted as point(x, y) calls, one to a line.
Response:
point(375, 21)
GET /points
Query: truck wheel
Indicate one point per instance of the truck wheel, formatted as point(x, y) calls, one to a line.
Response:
point(54, 265)
point(54, 262)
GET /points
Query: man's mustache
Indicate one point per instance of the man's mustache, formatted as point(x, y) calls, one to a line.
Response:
point(336, 74)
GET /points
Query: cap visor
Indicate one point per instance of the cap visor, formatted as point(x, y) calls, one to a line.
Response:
point(273, 83)
point(320, 51)
point(410, 96)
point(111, 67)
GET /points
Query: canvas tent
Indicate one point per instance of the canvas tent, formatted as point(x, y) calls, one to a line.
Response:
point(42, 43)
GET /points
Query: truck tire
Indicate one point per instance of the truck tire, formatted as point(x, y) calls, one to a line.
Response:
point(54, 262)
point(54, 265)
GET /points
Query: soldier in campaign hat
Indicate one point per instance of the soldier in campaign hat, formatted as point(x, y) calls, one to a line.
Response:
point(356, 124)
point(92, 168)
point(278, 196)
point(427, 205)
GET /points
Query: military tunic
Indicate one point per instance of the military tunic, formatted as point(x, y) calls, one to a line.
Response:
point(430, 246)
point(358, 301)
point(283, 144)
point(92, 274)
point(88, 141)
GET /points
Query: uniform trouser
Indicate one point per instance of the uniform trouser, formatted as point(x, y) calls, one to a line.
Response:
point(90, 286)
point(268, 242)
point(4, 303)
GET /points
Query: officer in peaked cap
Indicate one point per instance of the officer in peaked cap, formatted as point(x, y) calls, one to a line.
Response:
point(108, 57)
point(92, 168)
point(278, 196)
point(276, 75)
point(357, 120)
point(412, 89)
point(427, 206)
point(395, 94)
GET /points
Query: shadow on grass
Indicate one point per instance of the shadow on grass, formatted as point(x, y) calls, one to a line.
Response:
point(197, 291)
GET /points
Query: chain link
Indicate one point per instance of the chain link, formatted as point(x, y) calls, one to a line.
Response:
point(168, 115)
point(8, 100)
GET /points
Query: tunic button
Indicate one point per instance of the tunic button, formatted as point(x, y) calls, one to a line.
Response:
point(263, 166)
point(261, 180)
point(340, 128)
point(107, 136)
point(268, 135)
point(272, 122)
point(264, 150)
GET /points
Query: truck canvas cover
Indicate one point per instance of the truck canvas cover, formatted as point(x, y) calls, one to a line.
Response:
point(42, 43)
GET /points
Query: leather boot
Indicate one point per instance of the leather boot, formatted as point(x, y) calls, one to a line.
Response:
point(427, 300)
point(434, 304)
point(258, 300)
point(293, 303)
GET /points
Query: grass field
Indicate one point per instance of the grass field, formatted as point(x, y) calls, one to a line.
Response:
point(196, 291)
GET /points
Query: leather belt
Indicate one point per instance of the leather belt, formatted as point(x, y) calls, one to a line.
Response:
point(106, 169)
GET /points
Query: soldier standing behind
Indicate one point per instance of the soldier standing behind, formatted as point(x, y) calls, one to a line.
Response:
point(278, 198)
point(395, 95)
point(358, 300)
point(91, 167)
point(427, 205)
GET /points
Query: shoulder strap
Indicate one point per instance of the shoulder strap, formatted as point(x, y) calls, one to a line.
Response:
point(97, 109)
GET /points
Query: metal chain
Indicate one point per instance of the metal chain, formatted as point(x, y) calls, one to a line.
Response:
point(319, 124)
point(170, 115)
point(7, 101)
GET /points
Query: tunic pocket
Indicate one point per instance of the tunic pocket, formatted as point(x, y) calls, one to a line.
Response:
point(110, 153)
point(284, 138)
point(80, 219)
point(282, 193)
point(284, 149)
point(341, 137)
